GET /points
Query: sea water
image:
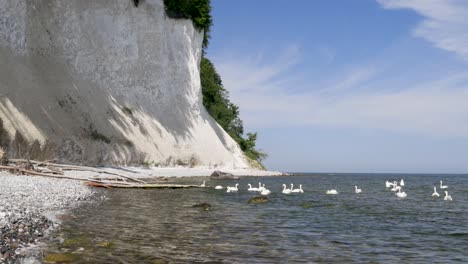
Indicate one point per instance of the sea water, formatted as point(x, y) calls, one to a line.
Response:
point(162, 226)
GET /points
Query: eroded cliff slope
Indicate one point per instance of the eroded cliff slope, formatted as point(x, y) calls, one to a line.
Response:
point(105, 83)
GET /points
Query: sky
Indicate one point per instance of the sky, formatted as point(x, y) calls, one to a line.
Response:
point(348, 86)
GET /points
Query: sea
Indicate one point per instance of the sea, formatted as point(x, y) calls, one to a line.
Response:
point(374, 226)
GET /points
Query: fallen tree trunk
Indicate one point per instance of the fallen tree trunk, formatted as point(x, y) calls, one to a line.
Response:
point(139, 186)
point(74, 167)
point(29, 172)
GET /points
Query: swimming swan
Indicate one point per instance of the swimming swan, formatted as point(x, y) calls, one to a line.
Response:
point(447, 197)
point(286, 191)
point(219, 187)
point(395, 188)
point(388, 184)
point(400, 194)
point(443, 186)
point(402, 183)
point(203, 184)
point(435, 192)
point(233, 189)
point(333, 191)
point(260, 187)
point(298, 190)
point(357, 190)
point(251, 189)
point(265, 191)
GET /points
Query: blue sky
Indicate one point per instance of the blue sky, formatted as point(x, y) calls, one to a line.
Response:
point(349, 86)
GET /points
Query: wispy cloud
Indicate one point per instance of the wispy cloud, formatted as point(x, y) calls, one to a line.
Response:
point(445, 22)
point(436, 107)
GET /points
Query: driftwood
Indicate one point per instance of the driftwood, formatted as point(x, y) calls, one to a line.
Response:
point(35, 173)
point(65, 167)
point(54, 170)
point(137, 185)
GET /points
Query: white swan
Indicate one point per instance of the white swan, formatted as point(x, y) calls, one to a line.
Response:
point(251, 189)
point(357, 190)
point(219, 187)
point(402, 183)
point(401, 194)
point(443, 186)
point(298, 190)
point(435, 192)
point(388, 184)
point(286, 191)
point(396, 188)
point(203, 184)
point(233, 189)
point(265, 191)
point(260, 187)
point(332, 191)
point(447, 197)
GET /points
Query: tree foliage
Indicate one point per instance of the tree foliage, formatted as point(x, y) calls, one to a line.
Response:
point(199, 11)
point(216, 101)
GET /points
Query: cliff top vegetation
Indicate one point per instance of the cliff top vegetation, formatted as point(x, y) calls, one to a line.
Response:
point(199, 11)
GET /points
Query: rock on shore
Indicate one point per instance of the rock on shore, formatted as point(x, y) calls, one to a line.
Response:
point(28, 205)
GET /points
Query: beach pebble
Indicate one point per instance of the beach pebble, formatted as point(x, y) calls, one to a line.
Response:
point(24, 202)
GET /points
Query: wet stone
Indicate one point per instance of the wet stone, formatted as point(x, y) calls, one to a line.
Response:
point(258, 200)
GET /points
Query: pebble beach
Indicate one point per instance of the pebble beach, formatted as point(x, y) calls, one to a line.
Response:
point(29, 207)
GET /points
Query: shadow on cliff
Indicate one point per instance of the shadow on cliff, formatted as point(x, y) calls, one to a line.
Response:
point(50, 113)
point(79, 122)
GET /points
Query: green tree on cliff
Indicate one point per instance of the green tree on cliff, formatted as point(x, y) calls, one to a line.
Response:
point(199, 11)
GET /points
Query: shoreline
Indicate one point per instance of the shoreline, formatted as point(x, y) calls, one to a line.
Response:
point(170, 172)
point(29, 209)
point(30, 206)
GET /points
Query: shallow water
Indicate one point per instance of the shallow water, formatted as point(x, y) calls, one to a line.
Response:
point(161, 226)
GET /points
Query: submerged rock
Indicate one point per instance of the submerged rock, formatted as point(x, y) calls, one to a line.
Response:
point(258, 200)
point(104, 244)
point(219, 175)
point(60, 258)
point(204, 206)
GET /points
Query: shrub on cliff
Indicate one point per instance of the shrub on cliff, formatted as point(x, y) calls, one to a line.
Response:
point(196, 10)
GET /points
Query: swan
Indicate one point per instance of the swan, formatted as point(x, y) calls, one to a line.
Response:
point(443, 186)
point(435, 192)
point(219, 187)
point(356, 189)
point(232, 189)
point(260, 187)
point(298, 190)
point(447, 197)
point(388, 184)
point(402, 183)
point(333, 191)
point(401, 194)
point(203, 184)
point(265, 191)
point(286, 191)
point(396, 188)
point(251, 189)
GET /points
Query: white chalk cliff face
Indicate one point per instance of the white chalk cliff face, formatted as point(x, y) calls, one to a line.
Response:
point(105, 82)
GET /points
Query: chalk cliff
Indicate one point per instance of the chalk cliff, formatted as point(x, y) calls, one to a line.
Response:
point(105, 83)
